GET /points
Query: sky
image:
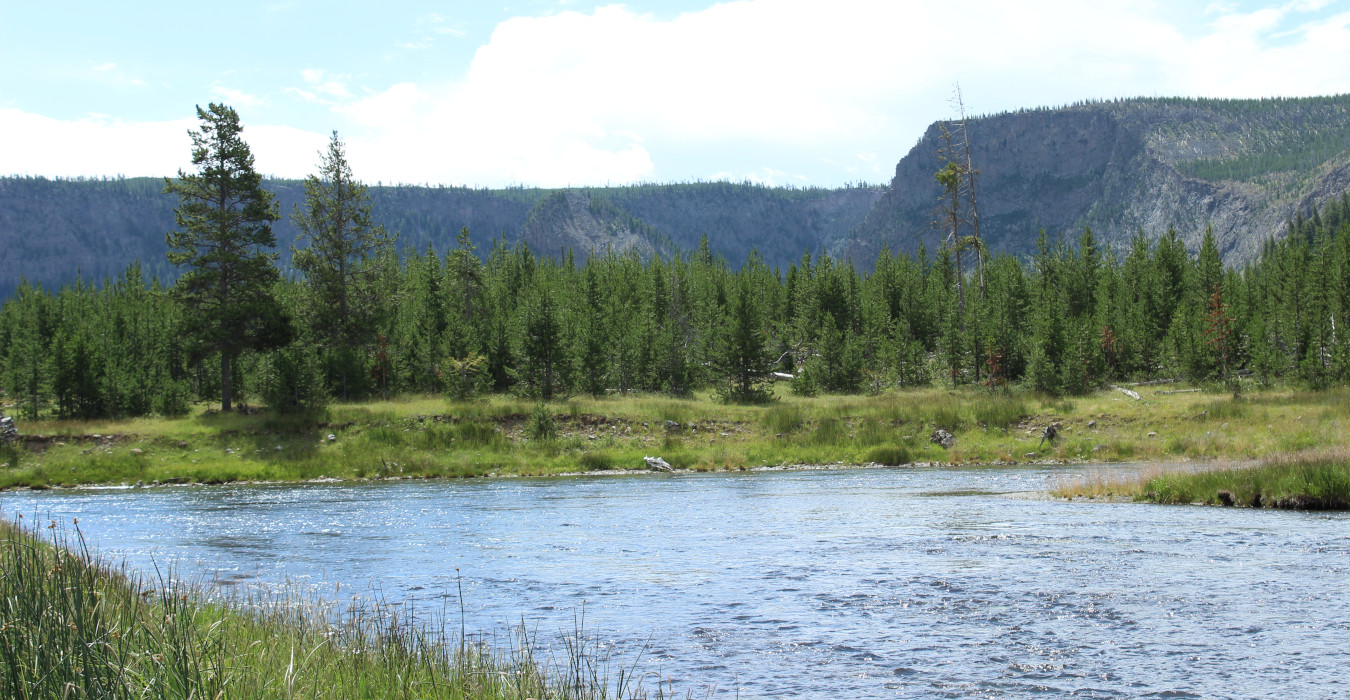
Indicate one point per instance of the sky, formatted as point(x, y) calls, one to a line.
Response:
point(557, 93)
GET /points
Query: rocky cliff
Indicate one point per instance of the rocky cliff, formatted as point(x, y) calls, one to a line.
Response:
point(1244, 167)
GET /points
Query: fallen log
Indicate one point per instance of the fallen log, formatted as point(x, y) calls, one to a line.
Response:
point(1132, 394)
point(658, 464)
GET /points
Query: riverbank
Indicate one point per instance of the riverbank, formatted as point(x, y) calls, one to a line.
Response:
point(1311, 480)
point(85, 628)
point(427, 437)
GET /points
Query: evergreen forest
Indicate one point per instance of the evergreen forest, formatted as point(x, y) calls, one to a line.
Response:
point(1070, 319)
point(360, 317)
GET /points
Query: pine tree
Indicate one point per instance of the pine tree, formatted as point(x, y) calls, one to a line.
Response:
point(27, 362)
point(342, 239)
point(745, 361)
point(592, 344)
point(419, 323)
point(224, 238)
point(541, 344)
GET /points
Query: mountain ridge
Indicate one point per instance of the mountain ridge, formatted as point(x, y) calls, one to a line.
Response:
point(1243, 167)
point(55, 230)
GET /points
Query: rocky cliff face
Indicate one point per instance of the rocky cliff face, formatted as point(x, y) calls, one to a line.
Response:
point(781, 224)
point(588, 224)
point(1244, 167)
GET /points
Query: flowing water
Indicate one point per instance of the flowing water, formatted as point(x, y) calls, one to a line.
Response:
point(840, 584)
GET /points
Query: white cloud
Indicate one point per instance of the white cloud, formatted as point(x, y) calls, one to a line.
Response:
point(428, 29)
point(437, 23)
point(616, 95)
point(304, 95)
point(284, 151)
point(93, 146)
point(99, 145)
point(321, 86)
point(572, 96)
point(109, 74)
point(236, 97)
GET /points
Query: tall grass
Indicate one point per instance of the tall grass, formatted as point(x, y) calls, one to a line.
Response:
point(72, 626)
point(1304, 482)
point(1301, 481)
point(783, 420)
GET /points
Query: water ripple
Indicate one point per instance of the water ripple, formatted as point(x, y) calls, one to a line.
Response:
point(882, 583)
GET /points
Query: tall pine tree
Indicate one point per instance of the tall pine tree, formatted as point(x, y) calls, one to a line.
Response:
point(342, 240)
point(224, 238)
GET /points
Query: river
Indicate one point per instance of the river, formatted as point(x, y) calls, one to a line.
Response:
point(878, 583)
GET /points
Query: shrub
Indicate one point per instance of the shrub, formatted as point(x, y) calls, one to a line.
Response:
point(481, 434)
point(464, 377)
point(175, 398)
point(829, 431)
point(806, 382)
point(872, 432)
point(292, 379)
point(10, 454)
point(948, 417)
point(783, 419)
point(999, 411)
point(596, 461)
point(384, 435)
point(541, 425)
point(890, 455)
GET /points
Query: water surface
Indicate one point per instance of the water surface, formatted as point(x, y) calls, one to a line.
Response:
point(870, 583)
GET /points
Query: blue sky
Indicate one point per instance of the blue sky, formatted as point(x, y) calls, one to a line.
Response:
point(557, 93)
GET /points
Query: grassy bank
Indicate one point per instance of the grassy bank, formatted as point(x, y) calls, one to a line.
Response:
point(73, 627)
point(1313, 480)
point(415, 437)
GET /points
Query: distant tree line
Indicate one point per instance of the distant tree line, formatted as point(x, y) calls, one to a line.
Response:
point(362, 320)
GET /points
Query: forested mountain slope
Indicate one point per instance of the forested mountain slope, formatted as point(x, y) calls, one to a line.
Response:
point(1245, 167)
point(781, 223)
point(52, 230)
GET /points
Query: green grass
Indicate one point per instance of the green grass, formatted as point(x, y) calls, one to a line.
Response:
point(893, 455)
point(73, 626)
point(426, 436)
point(1313, 480)
point(1304, 483)
point(784, 419)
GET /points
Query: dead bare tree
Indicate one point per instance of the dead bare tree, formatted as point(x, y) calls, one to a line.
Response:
point(958, 178)
point(951, 179)
point(971, 176)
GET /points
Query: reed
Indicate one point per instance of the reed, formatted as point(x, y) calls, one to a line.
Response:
point(1317, 480)
point(74, 626)
point(1313, 480)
